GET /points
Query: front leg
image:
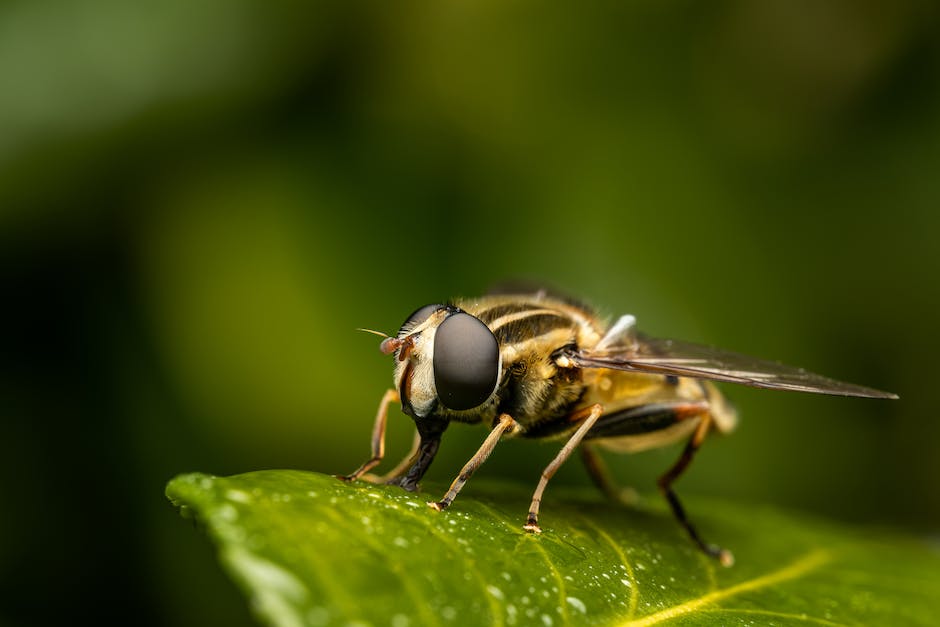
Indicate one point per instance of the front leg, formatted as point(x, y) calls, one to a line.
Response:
point(427, 449)
point(378, 438)
point(399, 470)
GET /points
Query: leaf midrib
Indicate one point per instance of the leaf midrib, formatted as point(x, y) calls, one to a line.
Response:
point(808, 562)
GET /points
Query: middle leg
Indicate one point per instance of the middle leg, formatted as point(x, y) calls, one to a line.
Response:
point(593, 413)
point(505, 423)
point(642, 420)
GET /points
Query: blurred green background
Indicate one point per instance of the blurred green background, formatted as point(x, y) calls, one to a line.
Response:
point(200, 202)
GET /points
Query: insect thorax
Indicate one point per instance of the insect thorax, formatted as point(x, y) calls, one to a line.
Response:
point(534, 390)
point(537, 392)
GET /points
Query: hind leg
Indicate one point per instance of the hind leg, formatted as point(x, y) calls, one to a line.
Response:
point(670, 476)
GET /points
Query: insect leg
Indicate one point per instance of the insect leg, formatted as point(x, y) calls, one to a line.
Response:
point(404, 464)
point(602, 478)
point(378, 438)
point(594, 412)
point(506, 423)
point(427, 449)
point(665, 484)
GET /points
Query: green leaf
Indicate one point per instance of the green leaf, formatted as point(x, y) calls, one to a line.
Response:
point(309, 549)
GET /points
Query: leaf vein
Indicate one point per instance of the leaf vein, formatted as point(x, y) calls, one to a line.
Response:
point(634, 589)
point(751, 612)
point(495, 609)
point(808, 562)
point(556, 574)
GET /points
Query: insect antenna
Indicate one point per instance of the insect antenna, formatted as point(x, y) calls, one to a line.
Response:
point(389, 344)
point(379, 333)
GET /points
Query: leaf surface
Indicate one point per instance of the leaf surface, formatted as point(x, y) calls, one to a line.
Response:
point(308, 549)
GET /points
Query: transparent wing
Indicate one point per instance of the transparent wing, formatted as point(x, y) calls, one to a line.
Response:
point(685, 359)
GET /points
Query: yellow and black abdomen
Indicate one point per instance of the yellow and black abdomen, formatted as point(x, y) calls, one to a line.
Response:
point(643, 411)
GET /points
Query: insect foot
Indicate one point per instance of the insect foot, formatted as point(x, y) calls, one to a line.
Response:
point(725, 558)
point(404, 483)
point(439, 506)
point(532, 526)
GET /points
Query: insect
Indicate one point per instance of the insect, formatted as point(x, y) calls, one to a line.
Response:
point(542, 366)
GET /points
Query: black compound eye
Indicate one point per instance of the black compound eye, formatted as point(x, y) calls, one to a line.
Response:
point(417, 317)
point(466, 362)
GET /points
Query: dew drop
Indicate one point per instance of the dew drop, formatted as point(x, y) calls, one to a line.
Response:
point(227, 513)
point(238, 496)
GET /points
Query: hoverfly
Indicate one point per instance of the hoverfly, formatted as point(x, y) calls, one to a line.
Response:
point(541, 366)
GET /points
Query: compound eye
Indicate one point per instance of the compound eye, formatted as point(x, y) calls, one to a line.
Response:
point(416, 318)
point(466, 362)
